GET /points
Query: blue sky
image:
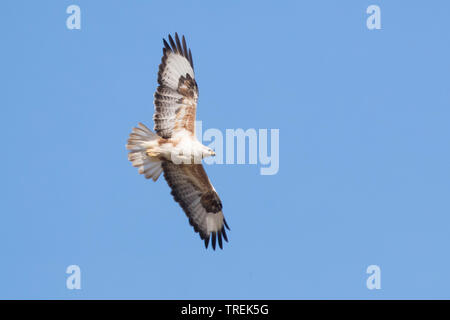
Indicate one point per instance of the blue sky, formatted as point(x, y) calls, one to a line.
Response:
point(364, 172)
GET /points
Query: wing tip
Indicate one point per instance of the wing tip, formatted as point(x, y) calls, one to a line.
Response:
point(226, 224)
point(216, 239)
point(206, 242)
point(178, 46)
point(213, 240)
point(224, 234)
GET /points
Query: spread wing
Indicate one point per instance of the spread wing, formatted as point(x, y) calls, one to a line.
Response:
point(192, 189)
point(177, 93)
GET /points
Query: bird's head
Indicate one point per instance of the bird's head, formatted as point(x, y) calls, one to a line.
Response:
point(211, 152)
point(208, 152)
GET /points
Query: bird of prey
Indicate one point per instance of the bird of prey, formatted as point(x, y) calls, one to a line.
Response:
point(174, 148)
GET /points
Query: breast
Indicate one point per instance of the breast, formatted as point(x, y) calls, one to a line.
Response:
point(182, 149)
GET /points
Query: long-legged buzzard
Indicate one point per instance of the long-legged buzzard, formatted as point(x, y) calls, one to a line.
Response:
point(174, 149)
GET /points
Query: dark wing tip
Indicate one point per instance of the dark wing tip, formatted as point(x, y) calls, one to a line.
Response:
point(206, 242)
point(166, 45)
point(185, 51)
point(219, 237)
point(172, 44)
point(190, 59)
point(216, 237)
point(224, 234)
point(178, 46)
point(213, 236)
point(226, 224)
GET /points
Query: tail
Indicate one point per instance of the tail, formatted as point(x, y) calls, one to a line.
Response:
point(141, 139)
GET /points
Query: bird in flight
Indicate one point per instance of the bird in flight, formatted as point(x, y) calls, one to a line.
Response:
point(174, 149)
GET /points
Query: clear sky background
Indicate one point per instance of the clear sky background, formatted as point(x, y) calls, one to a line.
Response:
point(364, 172)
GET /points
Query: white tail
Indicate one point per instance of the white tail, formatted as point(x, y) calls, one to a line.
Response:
point(141, 139)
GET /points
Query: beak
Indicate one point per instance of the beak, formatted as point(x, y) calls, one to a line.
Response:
point(213, 153)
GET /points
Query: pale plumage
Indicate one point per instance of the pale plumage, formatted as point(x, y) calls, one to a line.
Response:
point(174, 148)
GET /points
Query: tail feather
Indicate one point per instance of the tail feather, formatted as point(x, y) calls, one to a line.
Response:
point(140, 141)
